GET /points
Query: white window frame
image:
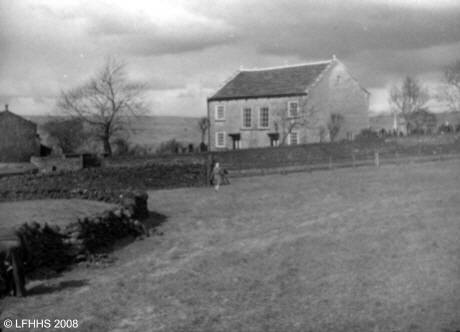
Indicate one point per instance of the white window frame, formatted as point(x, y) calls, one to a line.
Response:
point(243, 118)
point(290, 115)
point(260, 118)
point(223, 139)
point(290, 138)
point(217, 117)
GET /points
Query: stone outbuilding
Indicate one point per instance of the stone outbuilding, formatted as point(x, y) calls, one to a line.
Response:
point(286, 106)
point(18, 138)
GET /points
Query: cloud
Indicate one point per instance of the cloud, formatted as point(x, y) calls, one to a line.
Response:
point(144, 27)
point(185, 49)
point(347, 29)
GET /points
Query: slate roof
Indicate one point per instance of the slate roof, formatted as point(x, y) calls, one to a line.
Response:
point(6, 113)
point(274, 82)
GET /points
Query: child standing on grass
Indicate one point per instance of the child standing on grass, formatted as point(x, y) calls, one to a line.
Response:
point(216, 176)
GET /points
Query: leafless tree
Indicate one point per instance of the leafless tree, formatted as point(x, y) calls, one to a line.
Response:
point(408, 98)
point(107, 102)
point(305, 119)
point(203, 127)
point(334, 124)
point(68, 133)
point(450, 92)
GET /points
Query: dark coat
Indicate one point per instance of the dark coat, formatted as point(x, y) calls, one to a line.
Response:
point(14, 253)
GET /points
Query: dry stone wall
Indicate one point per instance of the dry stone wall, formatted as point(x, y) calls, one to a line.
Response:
point(103, 184)
point(55, 248)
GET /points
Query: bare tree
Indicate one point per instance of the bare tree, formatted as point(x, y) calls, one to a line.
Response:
point(334, 124)
point(302, 119)
point(203, 127)
point(450, 91)
point(107, 102)
point(408, 99)
point(68, 132)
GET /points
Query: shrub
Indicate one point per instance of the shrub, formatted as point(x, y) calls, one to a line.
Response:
point(121, 147)
point(170, 146)
point(69, 133)
point(367, 134)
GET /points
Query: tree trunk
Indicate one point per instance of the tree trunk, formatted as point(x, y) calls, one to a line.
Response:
point(107, 147)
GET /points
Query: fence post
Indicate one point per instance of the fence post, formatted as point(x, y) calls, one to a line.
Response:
point(353, 155)
point(330, 163)
point(377, 161)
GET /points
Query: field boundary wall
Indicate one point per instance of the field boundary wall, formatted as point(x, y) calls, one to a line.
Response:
point(54, 248)
point(101, 183)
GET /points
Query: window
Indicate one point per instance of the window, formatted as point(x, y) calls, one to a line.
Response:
point(220, 139)
point(247, 118)
point(293, 138)
point(293, 109)
point(220, 112)
point(263, 117)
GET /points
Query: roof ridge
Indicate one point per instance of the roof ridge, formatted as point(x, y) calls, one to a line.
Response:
point(321, 75)
point(290, 66)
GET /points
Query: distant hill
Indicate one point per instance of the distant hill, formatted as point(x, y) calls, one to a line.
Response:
point(150, 131)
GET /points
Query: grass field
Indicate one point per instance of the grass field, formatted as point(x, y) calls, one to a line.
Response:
point(369, 249)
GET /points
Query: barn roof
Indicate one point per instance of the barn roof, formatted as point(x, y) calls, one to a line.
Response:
point(7, 112)
point(272, 82)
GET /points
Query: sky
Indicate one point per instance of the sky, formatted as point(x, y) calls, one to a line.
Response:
point(185, 50)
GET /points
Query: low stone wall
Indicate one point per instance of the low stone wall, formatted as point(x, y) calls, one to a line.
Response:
point(54, 248)
point(167, 159)
point(57, 164)
point(103, 184)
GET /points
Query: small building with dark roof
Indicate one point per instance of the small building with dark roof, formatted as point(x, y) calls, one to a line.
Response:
point(286, 105)
point(18, 138)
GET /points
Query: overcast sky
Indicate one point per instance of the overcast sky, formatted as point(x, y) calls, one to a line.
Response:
point(186, 49)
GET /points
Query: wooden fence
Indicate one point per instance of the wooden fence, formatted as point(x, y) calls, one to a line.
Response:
point(375, 159)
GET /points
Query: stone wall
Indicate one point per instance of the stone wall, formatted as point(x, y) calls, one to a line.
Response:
point(57, 164)
point(347, 97)
point(102, 184)
point(18, 138)
point(54, 248)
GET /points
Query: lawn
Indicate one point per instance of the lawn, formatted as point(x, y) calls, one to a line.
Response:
point(368, 249)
